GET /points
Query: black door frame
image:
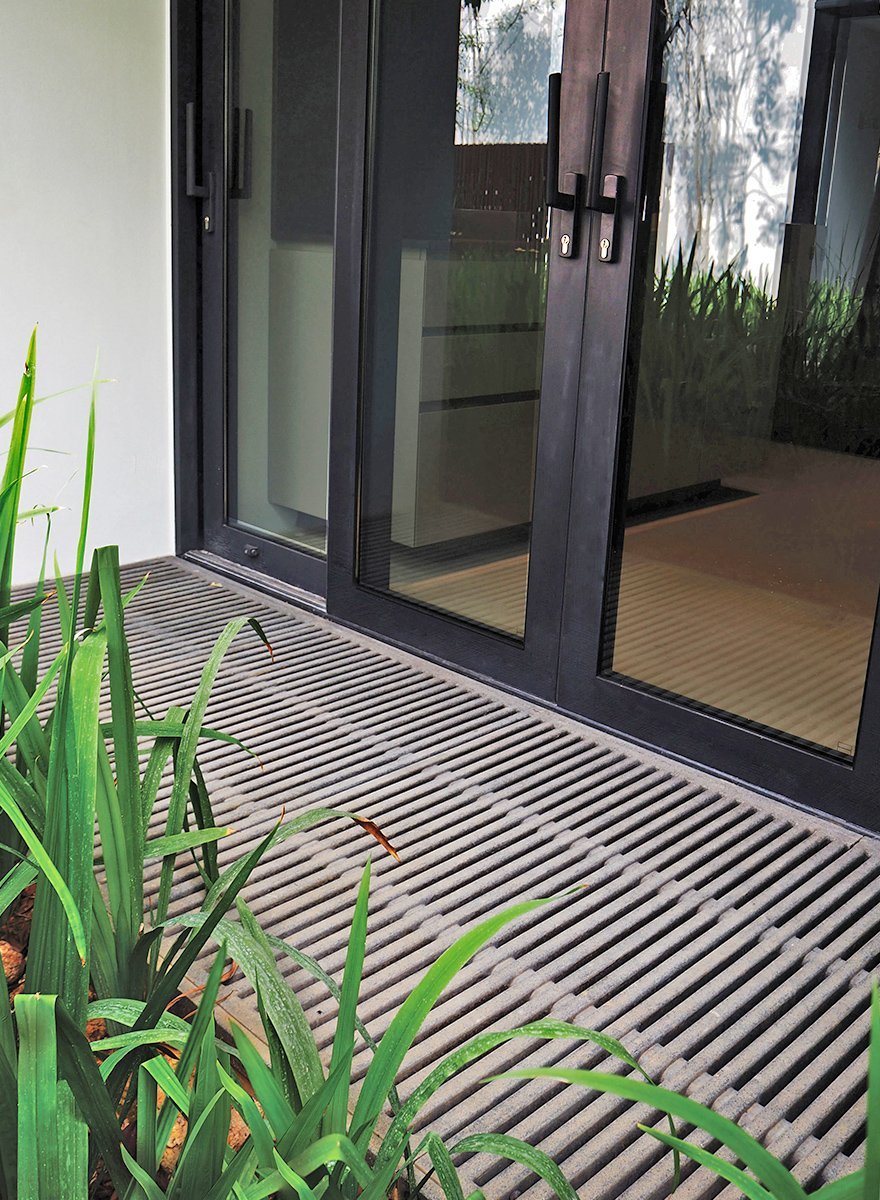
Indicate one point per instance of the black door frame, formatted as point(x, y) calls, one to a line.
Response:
point(577, 475)
point(529, 665)
point(699, 735)
point(204, 73)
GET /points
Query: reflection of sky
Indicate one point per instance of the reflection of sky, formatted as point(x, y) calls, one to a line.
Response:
point(502, 93)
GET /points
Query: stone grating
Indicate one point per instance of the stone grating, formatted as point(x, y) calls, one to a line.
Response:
point(726, 939)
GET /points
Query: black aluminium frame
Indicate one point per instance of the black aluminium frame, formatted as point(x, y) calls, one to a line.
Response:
point(847, 790)
point(529, 665)
point(577, 475)
point(204, 316)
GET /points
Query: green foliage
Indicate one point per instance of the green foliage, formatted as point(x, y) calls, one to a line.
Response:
point(74, 768)
point(753, 1170)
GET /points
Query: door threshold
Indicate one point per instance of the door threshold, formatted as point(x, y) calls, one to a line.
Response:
point(247, 576)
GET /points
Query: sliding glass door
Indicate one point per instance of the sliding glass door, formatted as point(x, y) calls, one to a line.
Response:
point(268, 250)
point(743, 561)
point(476, 252)
point(546, 335)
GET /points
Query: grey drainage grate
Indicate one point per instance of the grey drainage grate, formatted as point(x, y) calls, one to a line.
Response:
point(725, 939)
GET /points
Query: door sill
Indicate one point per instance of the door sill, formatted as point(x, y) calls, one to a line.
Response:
point(267, 584)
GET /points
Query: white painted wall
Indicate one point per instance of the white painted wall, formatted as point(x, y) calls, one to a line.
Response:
point(85, 253)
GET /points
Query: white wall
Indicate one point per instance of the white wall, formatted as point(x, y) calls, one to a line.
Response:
point(85, 252)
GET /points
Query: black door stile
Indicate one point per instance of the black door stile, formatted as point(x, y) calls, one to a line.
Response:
point(530, 664)
point(694, 733)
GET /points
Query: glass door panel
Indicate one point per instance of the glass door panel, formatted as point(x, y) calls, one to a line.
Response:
point(280, 268)
point(458, 252)
point(746, 558)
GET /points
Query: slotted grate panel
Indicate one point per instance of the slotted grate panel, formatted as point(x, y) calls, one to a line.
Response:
point(727, 940)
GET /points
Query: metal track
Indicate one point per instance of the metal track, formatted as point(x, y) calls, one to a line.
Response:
point(727, 940)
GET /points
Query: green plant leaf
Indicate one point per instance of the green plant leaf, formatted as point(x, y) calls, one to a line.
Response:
point(187, 747)
point(290, 1177)
point(147, 1184)
point(768, 1169)
point(76, 1064)
point(336, 1117)
point(850, 1187)
point(723, 1169)
point(50, 872)
point(285, 1018)
point(872, 1139)
point(175, 844)
point(516, 1150)
point(407, 1022)
point(441, 1160)
point(39, 1120)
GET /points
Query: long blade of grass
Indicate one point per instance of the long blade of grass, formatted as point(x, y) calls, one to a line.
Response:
point(200, 1028)
point(125, 747)
point(768, 1169)
point(291, 1178)
point(187, 752)
point(229, 1183)
point(872, 1140)
point(148, 1185)
point(516, 1150)
point(720, 1166)
point(336, 1119)
point(850, 1187)
point(159, 756)
point(50, 872)
point(15, 881)
point(39, 1151)
point(88, 476)
point(409, 1018)
point(8, 1106)
point(201, 1150)
point(441, 1160)
point(174, 971)
point(266, 1087)
point(69, 835)
point(14, 471)
point(178, 842)
point(295, 1054)
point(147, 1121)
point(394, 1140)
point(255, 1121)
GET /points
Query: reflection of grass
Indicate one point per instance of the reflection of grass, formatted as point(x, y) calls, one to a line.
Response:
point(716, 349)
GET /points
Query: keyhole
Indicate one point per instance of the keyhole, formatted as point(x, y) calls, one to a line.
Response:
point(605, 249)
point(565, 245)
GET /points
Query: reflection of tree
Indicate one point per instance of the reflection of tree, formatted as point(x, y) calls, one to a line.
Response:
point(500, 62)
point(729, 115)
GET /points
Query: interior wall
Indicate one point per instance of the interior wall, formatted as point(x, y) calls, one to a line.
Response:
point(85, 254)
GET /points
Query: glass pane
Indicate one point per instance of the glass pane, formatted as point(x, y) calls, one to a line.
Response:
point(455, 319)
point(747, 567)
point(281, 271)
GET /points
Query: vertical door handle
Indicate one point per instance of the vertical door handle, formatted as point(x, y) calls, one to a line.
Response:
point(604, 192)
point(201, 191)
point(571, 200)
point(243, 142)
point(554, 198)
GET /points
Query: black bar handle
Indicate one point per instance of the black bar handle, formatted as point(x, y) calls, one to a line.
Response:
point(597, 151)
point(554, 198)
point(192, 188)
point(242, 184)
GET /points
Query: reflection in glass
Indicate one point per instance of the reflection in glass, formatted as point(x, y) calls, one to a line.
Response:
point(747, 564)
point(281, 270)
point(455, 318)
